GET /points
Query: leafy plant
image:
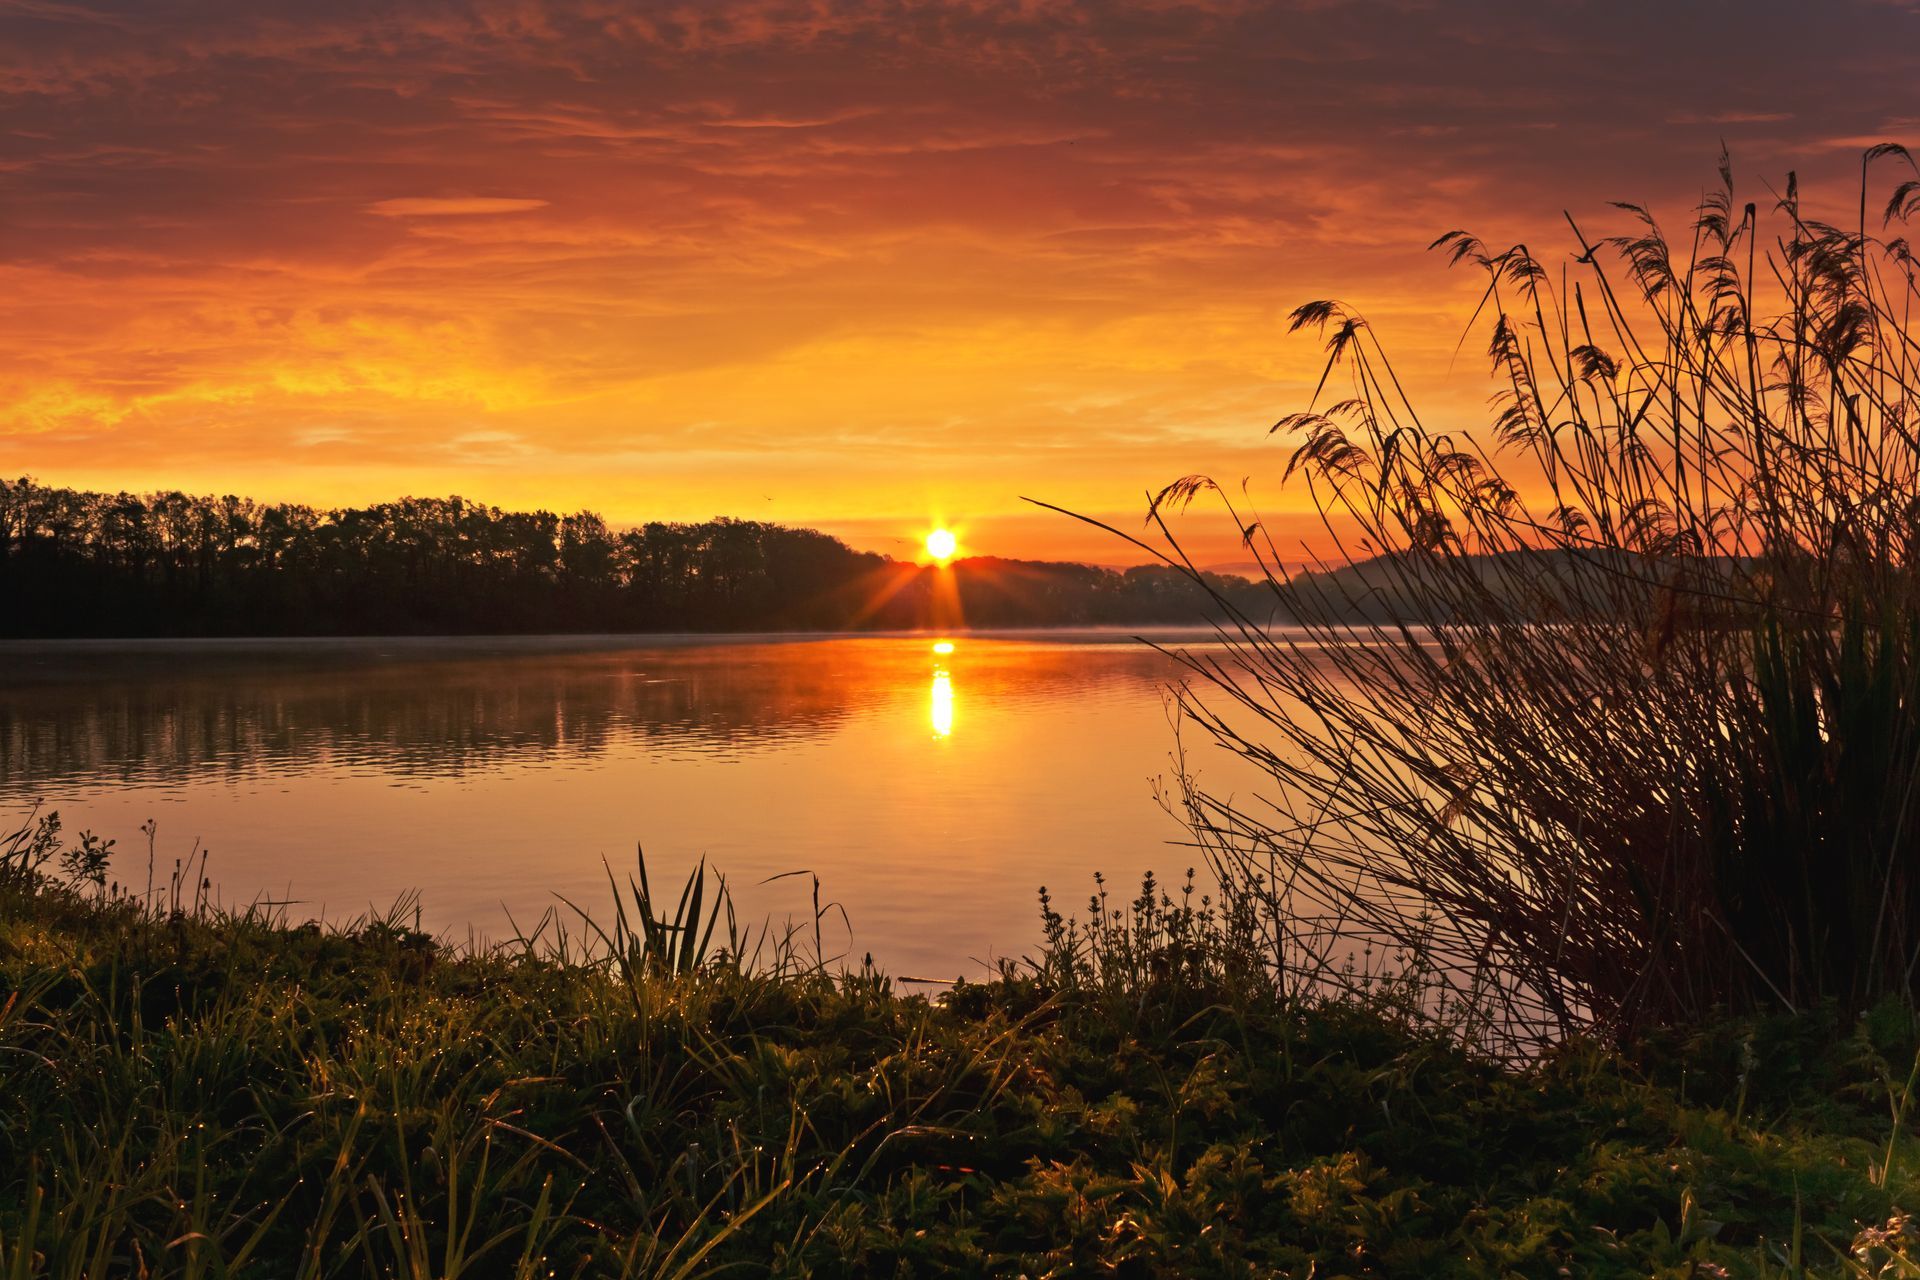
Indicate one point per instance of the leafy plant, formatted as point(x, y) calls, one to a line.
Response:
point(86, 863)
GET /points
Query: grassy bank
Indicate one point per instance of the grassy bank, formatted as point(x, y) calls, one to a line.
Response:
point(204, 1095)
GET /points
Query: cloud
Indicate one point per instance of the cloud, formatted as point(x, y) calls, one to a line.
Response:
point(890, 238)
point(450, 206)
point(1733, 117)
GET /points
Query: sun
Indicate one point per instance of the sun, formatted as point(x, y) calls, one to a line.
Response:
point(941, 545)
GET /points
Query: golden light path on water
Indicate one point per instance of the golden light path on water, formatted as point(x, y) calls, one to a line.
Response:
point(940, 698)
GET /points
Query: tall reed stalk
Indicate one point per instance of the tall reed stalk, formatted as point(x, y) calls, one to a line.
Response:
point(1610, 711)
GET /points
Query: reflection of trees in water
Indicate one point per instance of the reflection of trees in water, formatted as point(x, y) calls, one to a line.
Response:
point(419, 718)
point(109, 718)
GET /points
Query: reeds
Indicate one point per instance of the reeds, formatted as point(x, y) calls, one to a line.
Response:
point(1611, 712)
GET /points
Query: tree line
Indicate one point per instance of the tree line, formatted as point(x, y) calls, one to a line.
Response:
point(77, 563)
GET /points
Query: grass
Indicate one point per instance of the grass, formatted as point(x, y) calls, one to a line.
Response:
point(190, 1093)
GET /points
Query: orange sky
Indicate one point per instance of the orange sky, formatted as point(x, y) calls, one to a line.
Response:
point(841, 264)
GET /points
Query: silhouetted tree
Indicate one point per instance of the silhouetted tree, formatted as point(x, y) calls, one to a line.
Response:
point(78, 564)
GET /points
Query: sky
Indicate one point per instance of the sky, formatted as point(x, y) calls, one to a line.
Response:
point(862, 265)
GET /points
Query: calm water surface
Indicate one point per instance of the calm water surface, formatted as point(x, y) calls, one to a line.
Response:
point(932, 792)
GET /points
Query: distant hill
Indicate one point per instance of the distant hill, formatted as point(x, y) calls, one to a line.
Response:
point(1527, 584)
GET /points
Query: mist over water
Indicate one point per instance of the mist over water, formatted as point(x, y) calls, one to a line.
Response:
point(931, 791)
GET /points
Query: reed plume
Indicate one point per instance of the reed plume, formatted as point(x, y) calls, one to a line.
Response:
point(1611, 710)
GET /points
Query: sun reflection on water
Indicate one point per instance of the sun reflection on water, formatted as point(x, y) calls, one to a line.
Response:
point(940, 698)
point(940, 707)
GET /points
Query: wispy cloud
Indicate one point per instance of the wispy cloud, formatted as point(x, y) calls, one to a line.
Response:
point(450, 206)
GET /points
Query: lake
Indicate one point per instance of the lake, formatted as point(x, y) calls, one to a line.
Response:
point(932, 789)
